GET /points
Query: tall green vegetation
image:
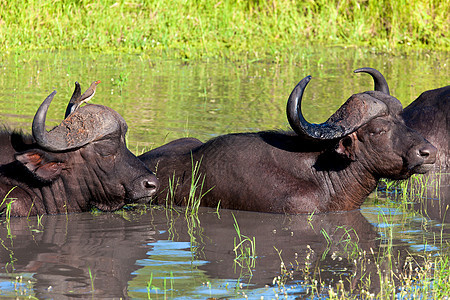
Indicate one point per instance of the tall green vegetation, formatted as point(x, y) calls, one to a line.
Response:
point(235, 29)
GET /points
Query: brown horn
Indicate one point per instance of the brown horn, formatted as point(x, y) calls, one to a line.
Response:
point(39, 132)
point(378, 79)
point(354, 113)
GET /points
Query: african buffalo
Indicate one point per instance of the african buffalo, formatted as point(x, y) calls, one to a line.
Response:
point(317, 168)
point(82, 163)
point(428, 115)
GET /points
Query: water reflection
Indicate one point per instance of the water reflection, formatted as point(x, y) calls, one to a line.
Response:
point(432, 195)
point(61, 252)
point(164, 252)
point(428, 194)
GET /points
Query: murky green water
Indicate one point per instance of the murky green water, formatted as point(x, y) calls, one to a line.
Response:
point(160, 253)
point(164, 100)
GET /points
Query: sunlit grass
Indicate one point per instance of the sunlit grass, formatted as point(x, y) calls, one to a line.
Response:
point(417, 187)
point(244, 249)
point(92, 279)
point(8, 201)
point(381, 273)
point(248, 30)
point(196, 190)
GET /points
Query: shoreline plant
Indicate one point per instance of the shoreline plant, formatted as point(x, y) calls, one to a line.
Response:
point(236, 30)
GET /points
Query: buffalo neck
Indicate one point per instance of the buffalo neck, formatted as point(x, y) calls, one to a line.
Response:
point(347, 188)
point(345, 183)
point(66, 194)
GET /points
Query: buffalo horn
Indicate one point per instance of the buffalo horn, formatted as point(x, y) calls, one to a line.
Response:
point(378, 79)
point(354, 113)
point(40, 134)
point(298, 122)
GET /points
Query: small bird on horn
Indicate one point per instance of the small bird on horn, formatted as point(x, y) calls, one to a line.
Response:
point(77, 100)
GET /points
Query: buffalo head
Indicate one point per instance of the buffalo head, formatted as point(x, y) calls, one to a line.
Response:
point(84, 162)
point(368, 127)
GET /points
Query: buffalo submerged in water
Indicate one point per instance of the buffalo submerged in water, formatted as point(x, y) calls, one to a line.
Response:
point(80, 164)
point(324, 167)
point(429, 116)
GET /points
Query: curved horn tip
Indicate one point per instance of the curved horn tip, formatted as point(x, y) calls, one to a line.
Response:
point(359, 70)
point(378, 78)
point(304, 81)
point(299, 88)
point(50, 97)
point(38, 130)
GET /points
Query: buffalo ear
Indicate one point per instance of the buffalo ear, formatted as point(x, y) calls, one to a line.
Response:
point(347, 146)
point(42, 164)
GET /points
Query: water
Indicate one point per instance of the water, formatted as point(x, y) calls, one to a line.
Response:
point(157, 253)
point(164, 100)
point(130, 254)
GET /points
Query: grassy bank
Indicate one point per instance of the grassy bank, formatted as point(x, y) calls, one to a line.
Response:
point(234, 29)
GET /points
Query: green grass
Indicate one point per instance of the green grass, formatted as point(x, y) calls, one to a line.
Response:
point(193, 200)
point(92, 278)
point(121, 81)
point(231, 29)
point(416, 189)
point(245, 251)
point(380, 274)
point(196, 191)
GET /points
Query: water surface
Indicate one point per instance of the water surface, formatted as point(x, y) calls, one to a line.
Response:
point(164, 100)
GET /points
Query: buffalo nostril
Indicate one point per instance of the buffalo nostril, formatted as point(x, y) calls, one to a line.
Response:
point(150, 185)
point(428, 154)
point(425, 153)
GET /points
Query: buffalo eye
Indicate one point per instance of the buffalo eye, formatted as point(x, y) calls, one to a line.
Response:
point(378, 131)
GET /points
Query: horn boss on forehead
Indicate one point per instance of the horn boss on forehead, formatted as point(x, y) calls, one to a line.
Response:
point(354, 113)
